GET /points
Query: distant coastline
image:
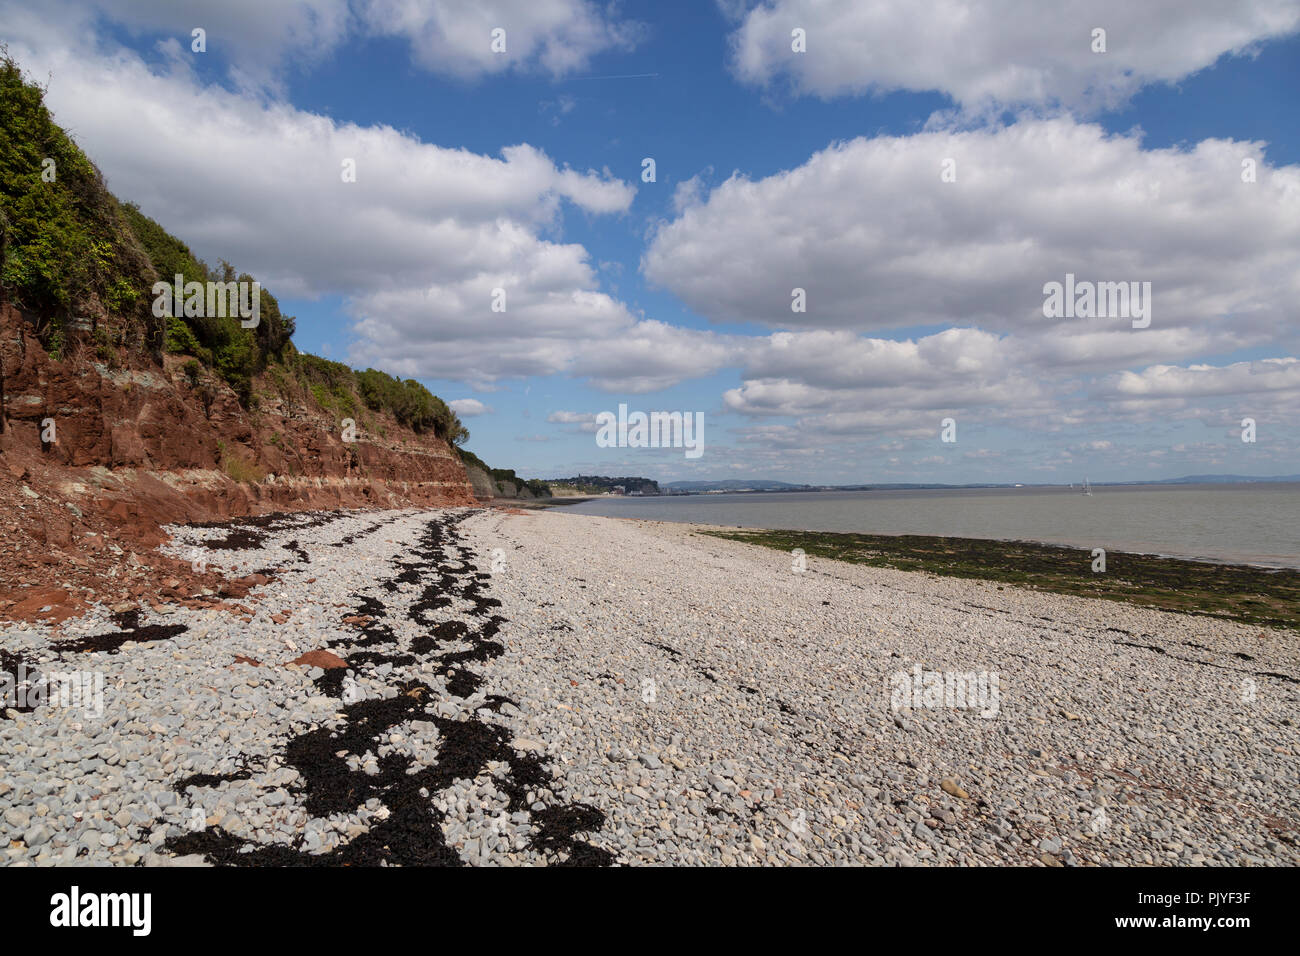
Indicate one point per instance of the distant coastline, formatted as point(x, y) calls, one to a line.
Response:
point(749, 486)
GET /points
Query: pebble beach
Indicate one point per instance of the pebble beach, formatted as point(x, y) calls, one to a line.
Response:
point(492, 687)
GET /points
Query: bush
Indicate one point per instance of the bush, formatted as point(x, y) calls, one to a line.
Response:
point(180, 340)
point(240, 470)
point(221, 342)
point(538, 487)
point(65, 241)
point(332, 384)
point(411, 404)
point(469, 458)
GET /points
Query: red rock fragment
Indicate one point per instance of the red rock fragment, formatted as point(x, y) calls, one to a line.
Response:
point(322, 659)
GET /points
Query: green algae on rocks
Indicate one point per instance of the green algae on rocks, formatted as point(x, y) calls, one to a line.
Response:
point(1249, 595)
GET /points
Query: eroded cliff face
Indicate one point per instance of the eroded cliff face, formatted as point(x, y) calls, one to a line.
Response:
point(484, 487)
point(103, 447)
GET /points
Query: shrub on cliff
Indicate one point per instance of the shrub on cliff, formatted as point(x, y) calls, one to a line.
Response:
point(236, 353)
point(181, 341)
point(238, 468)
point(411, 404)
point(68, 251)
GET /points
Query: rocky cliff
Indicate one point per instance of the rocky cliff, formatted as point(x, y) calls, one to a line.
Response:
point(481, 482)
point(122, 411)
point(100, 450)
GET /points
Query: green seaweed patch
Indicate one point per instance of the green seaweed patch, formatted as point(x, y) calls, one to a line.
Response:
point(1233, 592)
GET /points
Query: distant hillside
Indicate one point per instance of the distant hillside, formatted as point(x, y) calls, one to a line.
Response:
point(1218, 480)
point(754, 484)
point(603, 485)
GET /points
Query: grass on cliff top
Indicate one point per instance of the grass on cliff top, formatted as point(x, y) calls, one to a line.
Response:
point(1233, 592)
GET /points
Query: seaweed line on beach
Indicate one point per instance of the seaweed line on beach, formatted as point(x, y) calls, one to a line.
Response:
point(411, 833)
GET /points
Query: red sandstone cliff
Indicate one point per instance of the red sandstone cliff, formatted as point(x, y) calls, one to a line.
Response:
point(138, 445)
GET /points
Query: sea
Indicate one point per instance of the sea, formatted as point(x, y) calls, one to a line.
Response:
point(1251, 523)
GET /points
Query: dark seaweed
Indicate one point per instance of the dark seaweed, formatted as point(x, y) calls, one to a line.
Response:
point(132, 630)
point(412, 833)
point(11, 664)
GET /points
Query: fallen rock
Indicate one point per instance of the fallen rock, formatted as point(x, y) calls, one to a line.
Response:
point(951, 788)
point(322, 659)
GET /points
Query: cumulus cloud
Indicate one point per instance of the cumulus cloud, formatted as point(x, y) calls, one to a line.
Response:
point(990, 53)
point(1216, 395)
point(429, 238)
point(583, 421)
point(282, 199)
point(439, 252)
point(469, 407)
point(688, 192)
point(881, 244)
point(655, 355)
point(256, 38)
point(1266, 375)
point(835, 383)
point(260, 40)
point(879, 241)
point(454, 37)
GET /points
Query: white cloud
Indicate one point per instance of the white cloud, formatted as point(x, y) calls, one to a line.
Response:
point(1003, 52)
point(260, 40)
point(469, 407)
point(654, 355)
point(837, 386)
point(417, 245)
point(454, 37)
point(264, 182)
point(1197, 380)
point(257, 38)
point(879, 242)
point(585, 421)
point(688, 192)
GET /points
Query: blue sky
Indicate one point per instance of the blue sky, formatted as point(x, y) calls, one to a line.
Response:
point(774, 169)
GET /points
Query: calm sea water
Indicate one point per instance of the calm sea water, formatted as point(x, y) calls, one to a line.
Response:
point(1246, 524)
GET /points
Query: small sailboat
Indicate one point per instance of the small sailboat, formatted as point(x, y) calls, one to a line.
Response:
point(1087, 488)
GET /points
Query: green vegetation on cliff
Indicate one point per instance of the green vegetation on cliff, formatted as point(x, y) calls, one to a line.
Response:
point(65, 247)
point(73, 256)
